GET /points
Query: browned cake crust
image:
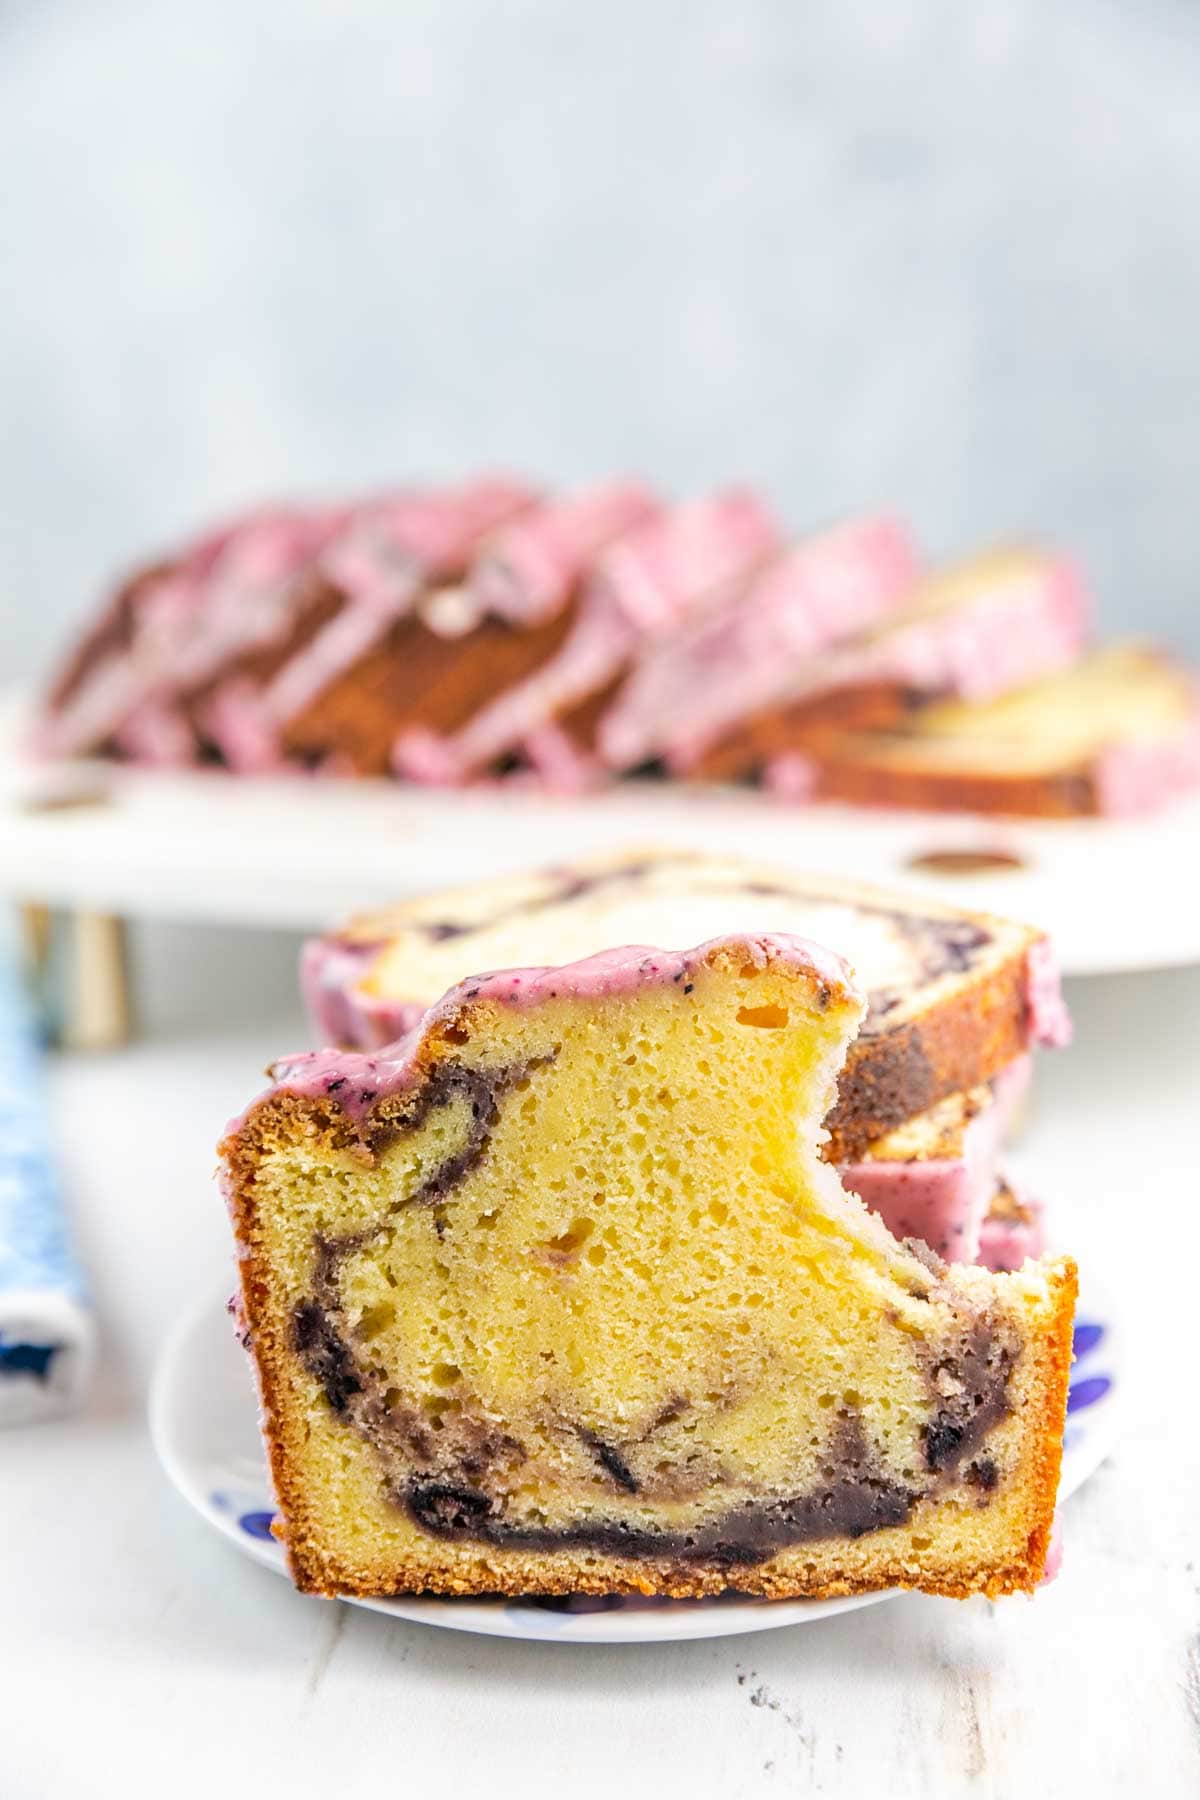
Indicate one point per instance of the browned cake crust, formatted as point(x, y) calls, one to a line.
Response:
point(417, 679)
point(893, 1074)
point(111, 634)
point(314, 603)
point(581, 722)
point(846, 770)
point(746, 750)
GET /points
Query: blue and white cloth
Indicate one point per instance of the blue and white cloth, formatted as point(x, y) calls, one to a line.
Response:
point(47, 1333)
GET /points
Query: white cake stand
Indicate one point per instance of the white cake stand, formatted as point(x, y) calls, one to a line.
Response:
point(101, 843)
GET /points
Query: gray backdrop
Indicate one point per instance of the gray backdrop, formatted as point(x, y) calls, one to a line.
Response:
point(924, 252)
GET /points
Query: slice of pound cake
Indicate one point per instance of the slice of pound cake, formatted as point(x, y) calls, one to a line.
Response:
point(954, 997)
point(969, 632)
point(1118, 734)
point(559, 1297)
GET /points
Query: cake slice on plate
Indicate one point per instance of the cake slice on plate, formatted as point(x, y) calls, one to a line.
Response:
point(1117, 734)
point(972, 631)
point(954, 997)
point(559, 1297)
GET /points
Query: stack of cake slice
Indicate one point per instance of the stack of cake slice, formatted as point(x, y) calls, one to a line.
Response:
point(557, 1295)
point(939, 1068)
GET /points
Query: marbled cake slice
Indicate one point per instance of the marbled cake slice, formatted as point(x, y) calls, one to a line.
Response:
point(558, 1296)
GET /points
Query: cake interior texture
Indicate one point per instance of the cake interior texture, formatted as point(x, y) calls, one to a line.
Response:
point(559, 1296)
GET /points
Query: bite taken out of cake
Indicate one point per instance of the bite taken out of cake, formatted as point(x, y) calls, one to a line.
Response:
point(559, 1296)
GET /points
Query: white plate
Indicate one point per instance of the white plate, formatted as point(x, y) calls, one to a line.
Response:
point(203, 1422)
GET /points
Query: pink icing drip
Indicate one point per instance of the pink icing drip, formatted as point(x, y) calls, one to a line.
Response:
point(1141, 775)
point(250, 593)
point(389, 552)
point(598, 645)
point(793, 777)
point(527, 571)
point(558, 763)
point(944, 1200)
point(158, 734)
point(330, 972)
point(643, 584)
point(356, 1082)
point(1049, 1021)
point(409, 539)
point(235, 717)
point(165, 609)
point(1011, 631)
point(653, 577)
point(741, 651)
point(1006, 1244)
point(1054, 1552)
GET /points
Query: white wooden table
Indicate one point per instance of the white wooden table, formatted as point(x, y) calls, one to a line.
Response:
point(139, 1654)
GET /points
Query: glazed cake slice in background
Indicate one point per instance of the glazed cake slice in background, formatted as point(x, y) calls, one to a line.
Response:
point(480, 625)
point(972, 631)
point(1117, 734)
point(635, 593)
point(378, 629)
point(726, 661)
point(559, 1297)
point(126, 687)
point(954, 997)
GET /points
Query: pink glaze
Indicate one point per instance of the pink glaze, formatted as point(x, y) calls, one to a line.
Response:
point(235, 719)
point(251, 596)
point(558, 764)
point(642, 586)
point(390, 552)
point(165, 609)
point(1006, 1244)
point(739, 653)
point(1054, 1552)
point(330, 972)
point(1141, 775)
point(1014, 628)
point(793, 778)
point(528, 570)
point(944, 1201)
point(1049, 1022)
point(1011, 630)
point(159, 734)
point(357, 1082)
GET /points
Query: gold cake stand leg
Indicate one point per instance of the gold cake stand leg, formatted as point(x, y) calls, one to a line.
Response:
point(79, 969)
